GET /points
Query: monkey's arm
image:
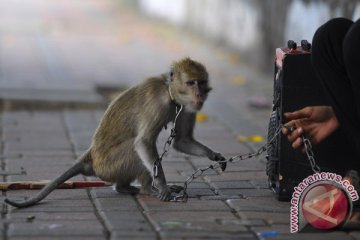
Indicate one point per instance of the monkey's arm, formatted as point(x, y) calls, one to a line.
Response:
point(147, 152)
point(185, 142)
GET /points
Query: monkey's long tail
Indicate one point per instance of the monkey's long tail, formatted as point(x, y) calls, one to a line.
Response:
point(73, 171)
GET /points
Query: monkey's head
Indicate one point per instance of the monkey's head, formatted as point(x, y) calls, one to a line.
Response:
point(189, 84)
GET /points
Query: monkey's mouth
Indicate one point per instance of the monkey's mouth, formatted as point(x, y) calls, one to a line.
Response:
point(198, 105)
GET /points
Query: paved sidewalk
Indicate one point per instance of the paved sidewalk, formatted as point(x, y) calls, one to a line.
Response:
point(54, 57)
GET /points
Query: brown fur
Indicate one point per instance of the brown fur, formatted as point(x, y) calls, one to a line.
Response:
point(123, 148)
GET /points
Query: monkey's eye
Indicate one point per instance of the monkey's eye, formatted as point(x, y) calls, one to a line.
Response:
point(190, 83)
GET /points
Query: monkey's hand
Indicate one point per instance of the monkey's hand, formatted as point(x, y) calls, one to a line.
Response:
point(215, 156)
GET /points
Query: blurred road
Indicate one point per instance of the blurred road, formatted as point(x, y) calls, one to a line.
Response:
point(76, 45)
point(57, 51)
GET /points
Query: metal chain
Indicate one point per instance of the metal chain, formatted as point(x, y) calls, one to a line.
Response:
point(199, 172)
point(166, 148)
point(310, 155)
point(308, 148)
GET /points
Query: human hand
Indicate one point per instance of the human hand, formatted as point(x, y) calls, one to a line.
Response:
point(318, 122)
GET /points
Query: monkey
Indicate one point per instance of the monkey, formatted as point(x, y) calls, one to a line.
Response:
point(123, 147)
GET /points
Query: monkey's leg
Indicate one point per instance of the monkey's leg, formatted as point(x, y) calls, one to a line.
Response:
point(145, 179)
point(164, 190)
point(146, 184)
point(123, 184)
point(147, 154)
point(127, 189)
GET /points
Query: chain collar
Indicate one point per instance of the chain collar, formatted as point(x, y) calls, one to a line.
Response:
point(171, 96)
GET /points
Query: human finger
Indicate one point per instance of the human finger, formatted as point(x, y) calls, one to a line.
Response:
point(289, 127)
point(302, 113)
point(284, 131)
point(297, 143)
point(295, 134)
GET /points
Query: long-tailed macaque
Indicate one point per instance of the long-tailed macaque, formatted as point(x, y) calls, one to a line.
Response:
point(123, 147)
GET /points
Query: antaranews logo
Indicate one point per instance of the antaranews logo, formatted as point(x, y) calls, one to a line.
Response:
point(323, 200)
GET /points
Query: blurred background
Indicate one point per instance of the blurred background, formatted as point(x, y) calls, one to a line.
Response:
point(253, 28)
point(47, 43)
point(61, 51)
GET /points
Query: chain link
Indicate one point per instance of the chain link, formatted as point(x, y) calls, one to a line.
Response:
point(166, 148)
point(310, 155)
point(199, 172)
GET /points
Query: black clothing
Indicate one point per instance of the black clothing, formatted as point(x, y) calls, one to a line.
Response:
point(336, 61)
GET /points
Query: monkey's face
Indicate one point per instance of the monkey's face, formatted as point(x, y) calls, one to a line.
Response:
point(189, 80)
point(199, 90)
point(192, 93)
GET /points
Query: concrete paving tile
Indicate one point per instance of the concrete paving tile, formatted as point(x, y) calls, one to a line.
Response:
point(50, 203)
point(176, 177)
point(42, 172)
point(174, 167)
point(237, 176)
point(56, 228)
point(11, 148)
point(126, 221)
point(125, 234)
point(355, 234)
point(260, 183)
point(232, 185)
point(199, 192)
point(284, 228)
point(269, 217)
point(36, 152)
point(122, 203)
point(200, 162)
point(226, 147)
point(51, 209)
point(57, 238)
point(221, 197)
point(317, 236)
point(156, 217)
point(33, 175)
point(261, 204)
point(193, 185)
point(153, 204)
point(57, 206)
point(53, 216)
point(43, 127)
point(38, 160)
point(205, 235)
point(57, 153)
point(201, 226)
point(116, 216)
point(58, 194)
point(108, 192)
point(245, 222)
point(247, 192)
point(253, 164)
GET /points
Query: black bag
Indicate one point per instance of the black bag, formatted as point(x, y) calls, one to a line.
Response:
point(296, 86)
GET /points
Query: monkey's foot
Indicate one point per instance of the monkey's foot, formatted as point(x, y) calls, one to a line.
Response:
point(165, 195)
point(127, 189)
point(176, 188)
